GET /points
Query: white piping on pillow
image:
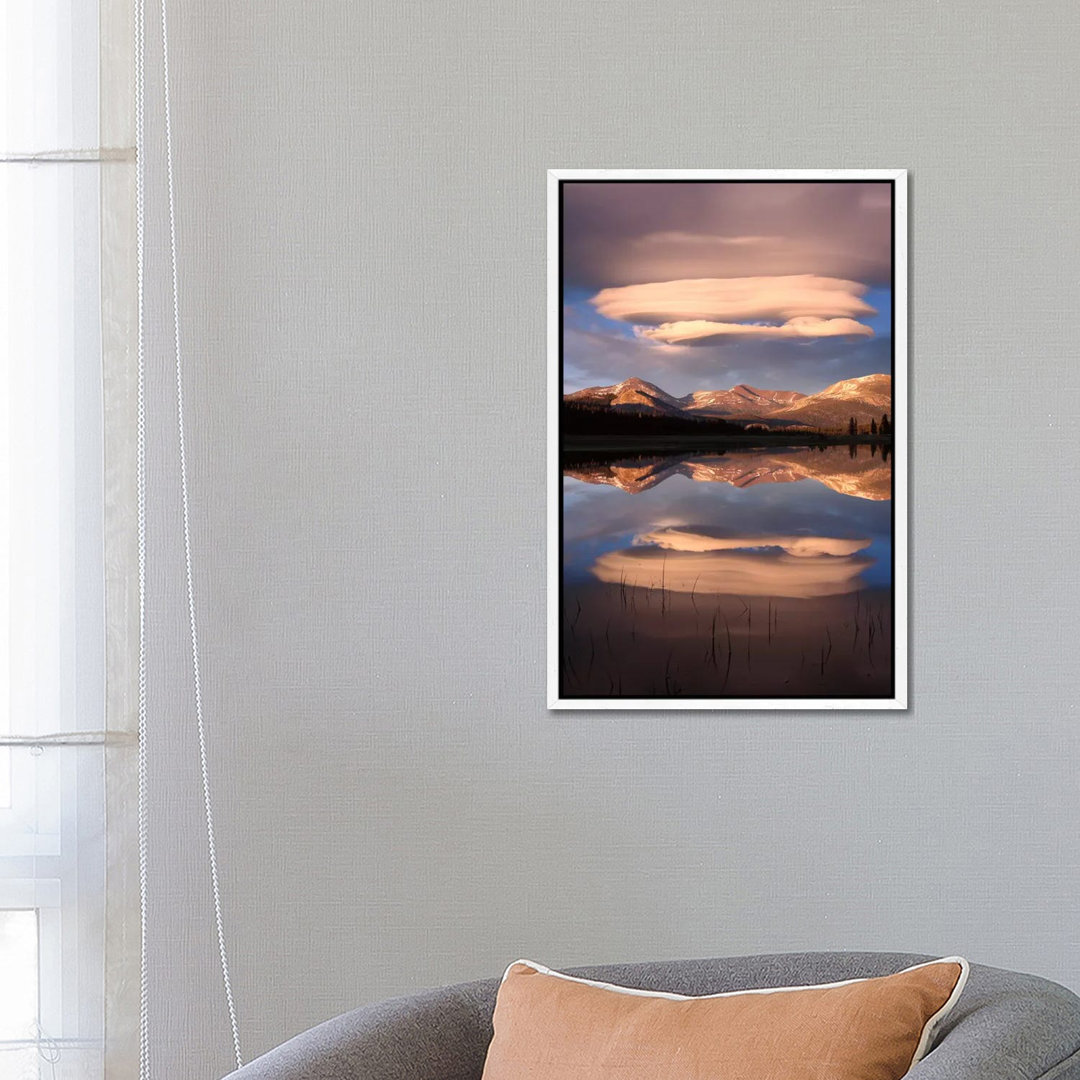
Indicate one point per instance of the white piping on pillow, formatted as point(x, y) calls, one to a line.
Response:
point(925, 1039)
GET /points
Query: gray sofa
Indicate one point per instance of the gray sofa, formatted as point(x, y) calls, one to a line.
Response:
point(1006, 1026)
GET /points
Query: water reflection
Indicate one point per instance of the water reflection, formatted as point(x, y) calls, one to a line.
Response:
point(704, 539)
point(854, 470)
point(758, 573)
point(685, 561)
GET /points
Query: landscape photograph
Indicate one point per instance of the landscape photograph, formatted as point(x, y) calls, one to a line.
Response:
point(727, 448)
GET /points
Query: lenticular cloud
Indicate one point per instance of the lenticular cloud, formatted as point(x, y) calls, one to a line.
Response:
point(704, 332)
point(701, 310)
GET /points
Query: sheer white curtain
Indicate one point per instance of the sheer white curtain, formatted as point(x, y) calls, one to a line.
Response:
point(58, 221)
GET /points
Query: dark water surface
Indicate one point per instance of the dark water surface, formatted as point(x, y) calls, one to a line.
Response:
point(744, 573)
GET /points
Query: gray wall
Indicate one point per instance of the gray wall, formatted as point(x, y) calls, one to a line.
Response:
point(361, 208)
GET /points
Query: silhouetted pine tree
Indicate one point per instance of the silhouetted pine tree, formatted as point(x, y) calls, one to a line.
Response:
point(852, 427)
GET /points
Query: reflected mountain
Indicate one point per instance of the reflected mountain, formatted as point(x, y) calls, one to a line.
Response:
point(864, 475)
point(700, 560)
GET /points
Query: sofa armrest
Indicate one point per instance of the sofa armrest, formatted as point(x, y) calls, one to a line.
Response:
point(1007, 1026)
point(437, 1035)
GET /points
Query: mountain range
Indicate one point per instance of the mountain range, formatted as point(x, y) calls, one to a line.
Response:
point(865, 399)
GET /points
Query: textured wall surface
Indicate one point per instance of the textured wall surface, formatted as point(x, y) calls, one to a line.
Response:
point(361, 209)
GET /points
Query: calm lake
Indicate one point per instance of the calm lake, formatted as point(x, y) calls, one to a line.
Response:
point(743, 573)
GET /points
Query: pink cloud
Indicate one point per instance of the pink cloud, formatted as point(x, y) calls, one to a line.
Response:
point(738, 300)
point(688, 564)
point(680, 538)
point(702, 331)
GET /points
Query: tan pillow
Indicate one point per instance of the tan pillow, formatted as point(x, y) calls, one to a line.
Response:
point(550, 1026)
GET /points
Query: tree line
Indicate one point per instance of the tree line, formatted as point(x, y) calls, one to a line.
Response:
point(583, 418)
point(883, 428)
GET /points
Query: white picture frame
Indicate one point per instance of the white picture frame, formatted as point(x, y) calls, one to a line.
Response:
point(899, 698)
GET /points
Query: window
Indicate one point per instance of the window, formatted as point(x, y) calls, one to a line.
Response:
point(52, 576)
point(19, 961)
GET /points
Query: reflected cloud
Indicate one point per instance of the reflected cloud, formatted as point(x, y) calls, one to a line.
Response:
point(778, 566)
point(701, 538)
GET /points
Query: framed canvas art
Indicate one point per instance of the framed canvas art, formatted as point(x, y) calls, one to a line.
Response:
point(727, 429)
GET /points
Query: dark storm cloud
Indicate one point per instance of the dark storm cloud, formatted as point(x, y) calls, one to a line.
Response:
point(622, 233)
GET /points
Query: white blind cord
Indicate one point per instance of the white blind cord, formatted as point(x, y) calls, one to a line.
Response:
point(211, 847)
point(140, 214)
point(140, 455)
